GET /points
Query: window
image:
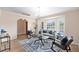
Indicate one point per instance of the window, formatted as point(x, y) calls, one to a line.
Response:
point(61, 26)
point(51, 25)
point(56, 24)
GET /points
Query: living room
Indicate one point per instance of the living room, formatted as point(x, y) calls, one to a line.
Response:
point(55, 19)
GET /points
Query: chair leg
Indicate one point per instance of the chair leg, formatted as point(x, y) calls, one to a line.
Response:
point(35, 41)
point(68, 49)
point(52, 47)
point(42, 42)
point(39, 40)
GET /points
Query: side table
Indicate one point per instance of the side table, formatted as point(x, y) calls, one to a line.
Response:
point(5, 44)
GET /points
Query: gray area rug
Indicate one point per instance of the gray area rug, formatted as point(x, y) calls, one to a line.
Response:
point(30, 46)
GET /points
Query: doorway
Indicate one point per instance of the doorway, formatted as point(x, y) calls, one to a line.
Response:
point(22, 28)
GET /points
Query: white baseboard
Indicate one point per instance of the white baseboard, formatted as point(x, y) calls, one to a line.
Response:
point(75, 43)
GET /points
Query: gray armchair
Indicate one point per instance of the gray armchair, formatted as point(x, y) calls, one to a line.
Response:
point(65, 46)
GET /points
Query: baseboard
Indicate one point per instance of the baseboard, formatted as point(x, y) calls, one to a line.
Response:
point(77, 44)
point(21, 34)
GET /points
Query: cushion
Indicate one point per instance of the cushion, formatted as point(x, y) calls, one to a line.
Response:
point(39, 32)
point(64, 41)
point(50, 32)
point(44, 31)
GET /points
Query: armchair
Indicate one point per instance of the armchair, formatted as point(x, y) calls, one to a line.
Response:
point(62, 46)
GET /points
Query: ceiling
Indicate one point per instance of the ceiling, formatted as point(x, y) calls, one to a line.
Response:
point(39, 11)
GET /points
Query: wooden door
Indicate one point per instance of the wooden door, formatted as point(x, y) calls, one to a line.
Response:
point(22, 27)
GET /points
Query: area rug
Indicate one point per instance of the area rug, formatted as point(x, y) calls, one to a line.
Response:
point(30, 46)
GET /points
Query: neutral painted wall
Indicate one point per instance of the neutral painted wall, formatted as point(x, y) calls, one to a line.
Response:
point(8, 20)
point(71, 24)
point(0, 12)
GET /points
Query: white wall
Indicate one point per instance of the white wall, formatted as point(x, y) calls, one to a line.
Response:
point(8, 20)
point(0, 12)
point(72, 25)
